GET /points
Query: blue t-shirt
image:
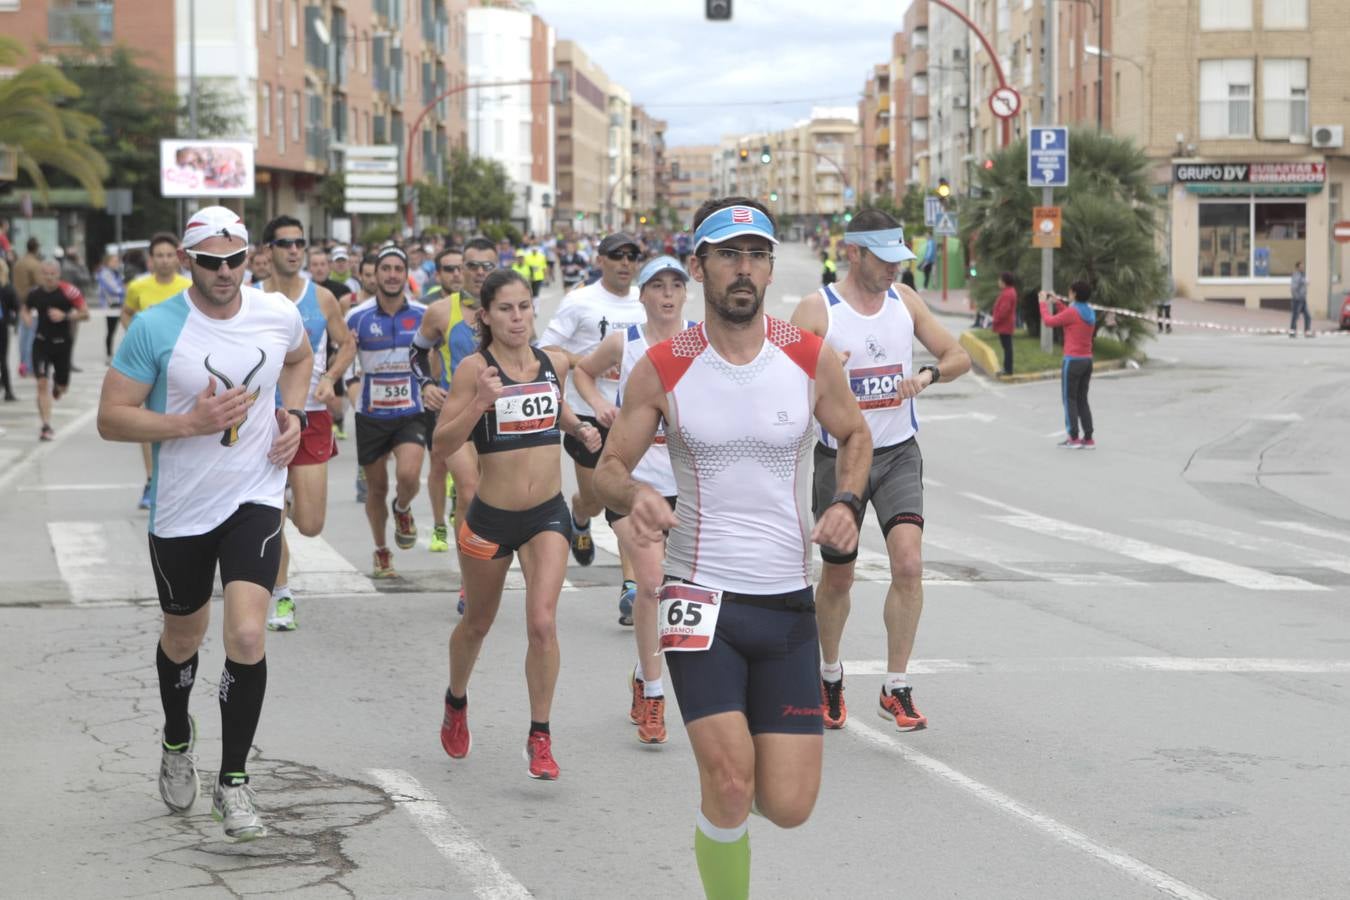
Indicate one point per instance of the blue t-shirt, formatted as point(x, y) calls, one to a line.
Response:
point(388, 389)
point(463, 342)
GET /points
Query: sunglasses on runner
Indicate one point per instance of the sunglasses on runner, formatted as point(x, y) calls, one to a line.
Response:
point(450, 268)
point(289, 243)
point(630, 255)
point(212, 263)
point(480, 266)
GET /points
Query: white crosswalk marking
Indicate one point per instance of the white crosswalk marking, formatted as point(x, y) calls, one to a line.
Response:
point(317, 568)
point(1227, 536)
point(971, 546)
point(1310, 530)
point(94, 564)
point(1204, 566)
point(1231, 665)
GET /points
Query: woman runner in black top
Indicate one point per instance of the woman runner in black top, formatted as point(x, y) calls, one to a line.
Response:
point(508, 397)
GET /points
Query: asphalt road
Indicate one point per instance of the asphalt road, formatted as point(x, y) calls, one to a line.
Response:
point(1135, 661)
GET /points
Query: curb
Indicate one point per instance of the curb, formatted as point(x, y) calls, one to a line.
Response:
point(984, 358)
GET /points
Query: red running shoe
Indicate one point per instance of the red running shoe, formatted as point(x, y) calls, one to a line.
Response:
point(832, 699)
point(455, 737)
point(897, 704)
point(539, 754)
point(635, 688)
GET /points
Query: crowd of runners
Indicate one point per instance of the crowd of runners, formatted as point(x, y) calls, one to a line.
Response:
point(719, 452)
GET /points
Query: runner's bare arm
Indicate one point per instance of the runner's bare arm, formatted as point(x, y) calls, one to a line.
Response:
point(810, 314)
point(643, 409)
point(472, 393)
point(429, 334)
point(603, 358)
point(952, 358)
point(341, 337)
point(121, 416)
point(837, 411)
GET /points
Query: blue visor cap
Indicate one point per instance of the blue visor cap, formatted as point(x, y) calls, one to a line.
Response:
point(657, 266)
point(887, 245)
point(734, 221)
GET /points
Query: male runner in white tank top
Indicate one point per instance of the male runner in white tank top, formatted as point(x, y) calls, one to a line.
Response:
point(738, 395)
point(872, 323)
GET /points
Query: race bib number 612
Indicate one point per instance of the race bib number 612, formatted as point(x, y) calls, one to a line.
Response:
point(687, 618)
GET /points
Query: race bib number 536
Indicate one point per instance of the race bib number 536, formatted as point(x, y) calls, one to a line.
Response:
point(391, 392)
point(877, 387)
point(688, 617)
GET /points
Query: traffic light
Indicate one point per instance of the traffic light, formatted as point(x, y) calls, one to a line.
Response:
point(765, 155)
point(580, 215)
point(773, 196)
point(745, 154)
point(988, 163)
point(848, 217)
point(944, 190)
point(642, 220)
point(718, 10)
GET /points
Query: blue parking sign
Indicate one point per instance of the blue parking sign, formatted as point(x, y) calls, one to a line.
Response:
point(1048, 157)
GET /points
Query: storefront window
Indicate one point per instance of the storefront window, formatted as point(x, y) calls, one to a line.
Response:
point(1225, 240)
point(1279, 238)
point(1252, 238)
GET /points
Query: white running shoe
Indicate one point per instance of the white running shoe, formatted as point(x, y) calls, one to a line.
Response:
point(234, 806)
point(178, 784)
point(282, 617)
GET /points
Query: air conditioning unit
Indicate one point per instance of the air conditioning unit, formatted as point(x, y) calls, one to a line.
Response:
point(959, 102)
point(1328, 135)
point(958, 54)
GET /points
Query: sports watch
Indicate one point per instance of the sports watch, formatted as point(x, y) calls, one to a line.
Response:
point(302, 416)
point(937, 373)
point(851, 500)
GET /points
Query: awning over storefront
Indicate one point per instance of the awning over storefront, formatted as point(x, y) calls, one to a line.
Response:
point(1246, 190)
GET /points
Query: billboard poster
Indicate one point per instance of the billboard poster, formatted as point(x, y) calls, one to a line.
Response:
point(205, 168)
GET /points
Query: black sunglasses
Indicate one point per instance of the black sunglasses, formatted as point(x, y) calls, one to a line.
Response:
point(212, 263)
point(481, 266)
point(630, 255)
point(289, 243)
point(447, 267)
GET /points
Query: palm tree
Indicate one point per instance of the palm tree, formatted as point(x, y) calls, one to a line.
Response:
point(1110, 221)
point(44, 133)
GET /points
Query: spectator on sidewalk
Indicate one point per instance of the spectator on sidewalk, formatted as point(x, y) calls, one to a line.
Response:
point(9, 316)
point(112, 290)
point(1079, 321)
point(929, 260)
point(1298, 291)
point(907, 275)
point(1005, 318)
point(26, 273)
point(829, 272)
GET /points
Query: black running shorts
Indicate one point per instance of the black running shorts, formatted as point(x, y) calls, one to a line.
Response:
point(577, 450)
point(247, 546)
point(376, 437)
point(52, 361)
point(492, 533)
point(764, 662)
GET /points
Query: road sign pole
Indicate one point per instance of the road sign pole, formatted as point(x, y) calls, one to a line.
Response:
point(1048, 118)
point(944, 269)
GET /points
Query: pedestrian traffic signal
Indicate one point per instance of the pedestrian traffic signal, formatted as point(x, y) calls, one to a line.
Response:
point(580, 215)
point(944, 190)
point(745, 154)
point(765, 155)
point(773, 195)
point(848, 217)
point(988, 163)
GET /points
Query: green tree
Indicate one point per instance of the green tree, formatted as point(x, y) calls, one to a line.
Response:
point(39, 122)
point(911, 211)
point(479, 189)
point(1110, 223)
point(433, 200)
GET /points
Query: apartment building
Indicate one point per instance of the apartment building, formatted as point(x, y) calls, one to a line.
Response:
point(514, 123)
point(690, 179)
point(1243, 106)
point(648, 174)
point(808, 169)
point(584, 167)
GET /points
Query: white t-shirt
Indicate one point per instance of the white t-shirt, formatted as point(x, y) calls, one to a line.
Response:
point(581, 323)
point(198, 482)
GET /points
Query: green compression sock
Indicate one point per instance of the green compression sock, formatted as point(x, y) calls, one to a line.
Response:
point(723, 856)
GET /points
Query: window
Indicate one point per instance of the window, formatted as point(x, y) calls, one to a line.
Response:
point(1225, 15)
point(919, 130)
point(919, 40)
point(1284, 98)
point(1252, 238)
point(264, 7)
point(1226, 98)
point(281, 120)
point(294, 23)
point(265, 111)
point(919, 85)
point(1284, 14)
point(295, 116)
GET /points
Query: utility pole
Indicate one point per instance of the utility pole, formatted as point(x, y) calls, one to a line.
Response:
point(1048, 118)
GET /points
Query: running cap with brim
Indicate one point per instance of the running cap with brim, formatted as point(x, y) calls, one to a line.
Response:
point(391, 251)
point(657, 266)
point(888, 244)
point(616, 240)
point(213, 221)
point(339, 253)
point(733, 221)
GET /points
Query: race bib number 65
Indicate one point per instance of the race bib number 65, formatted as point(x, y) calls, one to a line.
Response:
point(877, 387)
point(688, 617)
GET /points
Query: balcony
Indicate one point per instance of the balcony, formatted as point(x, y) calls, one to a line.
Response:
point(884, 101)
point(883, 137)
point(73, 24)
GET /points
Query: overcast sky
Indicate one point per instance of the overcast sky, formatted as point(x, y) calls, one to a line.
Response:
point(688, 71)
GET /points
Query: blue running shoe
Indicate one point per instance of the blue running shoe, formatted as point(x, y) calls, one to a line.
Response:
point(626, 598)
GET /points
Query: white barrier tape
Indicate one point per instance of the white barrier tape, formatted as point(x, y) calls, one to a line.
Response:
point(1215, 326)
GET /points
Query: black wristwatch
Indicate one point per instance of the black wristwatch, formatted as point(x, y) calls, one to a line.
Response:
point(302, 416)
point(937, 373)
point(851, 500)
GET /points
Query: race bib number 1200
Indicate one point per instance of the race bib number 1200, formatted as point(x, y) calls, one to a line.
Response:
point(527, 408)
point(688, 617)
point(877, 387)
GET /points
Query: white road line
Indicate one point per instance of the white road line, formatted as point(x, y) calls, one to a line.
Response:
point(983, 418)
point(1058, 831)
point(33, 488)
point(1258, 543)
point(876, 567)
point(1310, 530)
point(1155, 554)
point(1175, 664)
point(94, 562)
point(975, 548)
point(479, 867)
point(14, 472)
point(318, 568)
